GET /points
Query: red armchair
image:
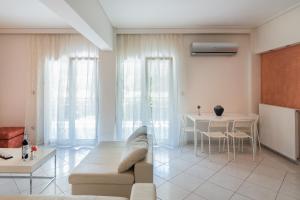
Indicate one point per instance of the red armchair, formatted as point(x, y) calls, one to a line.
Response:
point(11, 137)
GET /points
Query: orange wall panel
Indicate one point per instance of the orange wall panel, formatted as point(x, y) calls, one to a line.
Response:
point(280, 77)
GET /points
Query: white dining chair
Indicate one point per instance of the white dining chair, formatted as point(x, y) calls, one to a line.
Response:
point(242, 129)
point(217, 129)
point(256, 116)
point(185, 129)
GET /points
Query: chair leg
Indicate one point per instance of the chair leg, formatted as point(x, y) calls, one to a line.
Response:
point(180, 141)
point(242, 144)
point(209, 147)
point(253, 153)
point(233, 144)
point(227, 147)
point(258, 138)
point(201, 142)
point(219, 145)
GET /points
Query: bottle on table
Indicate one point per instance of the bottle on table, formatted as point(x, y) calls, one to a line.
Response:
point(25, 148)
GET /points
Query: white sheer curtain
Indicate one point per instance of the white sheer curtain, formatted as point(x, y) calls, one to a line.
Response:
point(68, 90)
point(148, 85)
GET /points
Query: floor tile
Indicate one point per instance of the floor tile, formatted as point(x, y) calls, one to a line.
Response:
point(24, 184)
point(293, 178)
point(236, 171)
point(200, 172)
point(193, 196)
point(187, 181)
point(265, 181)
point(6, 181)
point(256, 192)
point(213, 192)
point(10, 188)
point(210, 164)
point(180, 164)
point(63, 184)
point(226, 181)
point(244, 163)
point(282, 196)
point(52, 189)
point(156, 163)
point(158, 181)
point(191, 158)
point(239, 197)
point(270, 172)
point(278, 162)
point(290, 189)
point(166, 172)
point(169, 191)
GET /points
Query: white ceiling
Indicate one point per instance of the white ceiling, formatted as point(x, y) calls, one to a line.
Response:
point(152, 13)
point(192, 13)
point(28, 14)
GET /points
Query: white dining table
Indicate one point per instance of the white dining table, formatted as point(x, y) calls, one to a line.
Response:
point(206, 117)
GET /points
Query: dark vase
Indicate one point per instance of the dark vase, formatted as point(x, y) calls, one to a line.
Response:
point(218, 110)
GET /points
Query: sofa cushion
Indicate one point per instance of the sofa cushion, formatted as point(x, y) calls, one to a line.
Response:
point(100, 174)
point(138, 132)
point(134, 153)
point(141, 138)
point(100, 166)
point(7, 133)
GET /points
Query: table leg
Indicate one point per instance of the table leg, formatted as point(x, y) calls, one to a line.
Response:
point(30, 180)
point(255, 137)
point(55, 166)
point(195, 139)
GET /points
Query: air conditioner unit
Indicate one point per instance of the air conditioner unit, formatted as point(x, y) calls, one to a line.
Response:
point(213, 49)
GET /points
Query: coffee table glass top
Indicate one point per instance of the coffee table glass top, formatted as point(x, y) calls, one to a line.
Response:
point(17, 165)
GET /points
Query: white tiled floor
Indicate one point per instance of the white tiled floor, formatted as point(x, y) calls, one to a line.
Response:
point(179, 175)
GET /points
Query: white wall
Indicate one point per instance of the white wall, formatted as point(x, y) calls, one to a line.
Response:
point(279, 32)
point(255, 78)
point(14, 67)
point(218, 80)
point(108, 94)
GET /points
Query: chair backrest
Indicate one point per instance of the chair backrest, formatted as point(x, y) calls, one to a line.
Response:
point(183, 122)
point(243, 124)
point(218, 124)
point(254, 116)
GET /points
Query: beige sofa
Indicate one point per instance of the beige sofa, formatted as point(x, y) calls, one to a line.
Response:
point(141, 191)
point(98, 173)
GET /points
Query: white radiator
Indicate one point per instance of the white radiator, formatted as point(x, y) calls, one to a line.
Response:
point(279, 129)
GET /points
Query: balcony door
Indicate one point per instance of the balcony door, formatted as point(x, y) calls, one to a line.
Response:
point(71, 101)
point(147, 97)
point(159, 93)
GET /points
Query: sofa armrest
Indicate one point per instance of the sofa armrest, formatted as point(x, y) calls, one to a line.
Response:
point(143, 191)
point(143, 172)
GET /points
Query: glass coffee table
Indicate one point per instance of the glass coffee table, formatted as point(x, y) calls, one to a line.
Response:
point(16, 165)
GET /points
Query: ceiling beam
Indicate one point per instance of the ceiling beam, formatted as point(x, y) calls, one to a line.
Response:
point(87, 17)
